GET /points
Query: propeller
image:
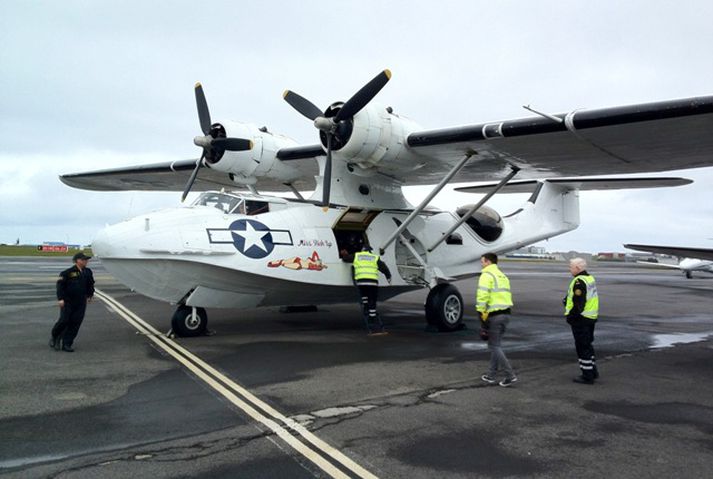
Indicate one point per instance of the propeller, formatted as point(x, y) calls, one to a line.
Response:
point(335, 128)
point(214, 140)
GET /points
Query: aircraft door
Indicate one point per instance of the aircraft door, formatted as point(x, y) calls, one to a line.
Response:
point(350, 230)
point(410, 268)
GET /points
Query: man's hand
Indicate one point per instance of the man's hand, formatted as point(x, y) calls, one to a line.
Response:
point(61, 303)
point(483, 315)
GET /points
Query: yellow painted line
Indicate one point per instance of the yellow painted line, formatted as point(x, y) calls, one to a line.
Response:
point(173, 348)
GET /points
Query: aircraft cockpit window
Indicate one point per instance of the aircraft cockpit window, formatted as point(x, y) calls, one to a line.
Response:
point(224, 202)
point(253, 207)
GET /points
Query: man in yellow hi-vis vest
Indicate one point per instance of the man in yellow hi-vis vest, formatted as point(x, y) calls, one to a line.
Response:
point(581, 308)
point(366, 267)
point(493, 302)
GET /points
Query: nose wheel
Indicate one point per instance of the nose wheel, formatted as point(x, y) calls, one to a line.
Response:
point(188, 321)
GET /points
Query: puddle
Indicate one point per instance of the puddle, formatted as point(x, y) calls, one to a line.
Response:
point(474, 346)
point(669, 340)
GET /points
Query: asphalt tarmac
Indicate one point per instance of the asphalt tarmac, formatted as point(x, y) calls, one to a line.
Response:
point(407, 405)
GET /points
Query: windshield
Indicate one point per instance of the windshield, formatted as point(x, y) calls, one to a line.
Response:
point(225, 202)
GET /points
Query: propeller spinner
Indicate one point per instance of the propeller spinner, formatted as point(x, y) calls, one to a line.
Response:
point(336, 127)
point(214, 142)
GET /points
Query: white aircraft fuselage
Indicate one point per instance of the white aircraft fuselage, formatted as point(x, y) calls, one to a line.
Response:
point(290, 255)
point(689, 265)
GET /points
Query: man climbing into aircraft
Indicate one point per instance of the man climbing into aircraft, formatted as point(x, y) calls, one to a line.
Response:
point(75, 287)
point(366, 267)
point(581, 308)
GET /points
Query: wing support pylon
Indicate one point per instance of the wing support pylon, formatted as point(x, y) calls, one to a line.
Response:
point(466, 217)
point(417, 211)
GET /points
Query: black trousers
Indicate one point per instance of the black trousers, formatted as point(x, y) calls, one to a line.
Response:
point(583, 332)
point(70, 319)
point(369, 294)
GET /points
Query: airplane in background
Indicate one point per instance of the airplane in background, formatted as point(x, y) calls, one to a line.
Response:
point(237, 248)
point(690, 259)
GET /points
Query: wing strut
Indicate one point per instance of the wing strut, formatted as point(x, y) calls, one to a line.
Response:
point(498, 187)
point(427, 200)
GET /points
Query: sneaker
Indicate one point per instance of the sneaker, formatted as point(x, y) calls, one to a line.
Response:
point(488, 379)
point(508, 381)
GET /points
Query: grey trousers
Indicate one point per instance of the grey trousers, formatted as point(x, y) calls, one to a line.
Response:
point(498, 360)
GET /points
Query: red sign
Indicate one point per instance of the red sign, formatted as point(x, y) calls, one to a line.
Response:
point(53, 248)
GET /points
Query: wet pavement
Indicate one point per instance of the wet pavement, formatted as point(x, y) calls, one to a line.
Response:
point(409, 404)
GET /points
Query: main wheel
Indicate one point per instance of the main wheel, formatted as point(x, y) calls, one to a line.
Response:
point(185, 325)
point(444, 308)
point(689, 275)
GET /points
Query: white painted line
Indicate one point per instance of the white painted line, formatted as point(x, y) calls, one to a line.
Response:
point(193, 363)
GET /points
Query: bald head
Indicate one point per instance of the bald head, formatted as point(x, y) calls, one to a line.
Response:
point(577, 265)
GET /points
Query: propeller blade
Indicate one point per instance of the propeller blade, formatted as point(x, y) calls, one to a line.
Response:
point(192, 179)
point(232, 144)
point(302, 105)
point(203, 112)
point(363, 96)
point(327, 180)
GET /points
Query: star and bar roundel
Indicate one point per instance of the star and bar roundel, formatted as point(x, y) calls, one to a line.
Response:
point(250, 237)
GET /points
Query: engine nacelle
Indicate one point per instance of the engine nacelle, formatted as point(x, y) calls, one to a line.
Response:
point(245, 167)
point(377, 139)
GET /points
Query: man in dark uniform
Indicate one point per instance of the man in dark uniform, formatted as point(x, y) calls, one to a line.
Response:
point(581, 308)
point(75, 287)
point(366, 268)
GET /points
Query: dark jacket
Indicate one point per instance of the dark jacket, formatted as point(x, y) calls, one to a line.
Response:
point(74, 285)
point(579, 299)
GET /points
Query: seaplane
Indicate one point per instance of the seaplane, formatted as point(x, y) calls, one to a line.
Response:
point(690, 259)
point(237, 247)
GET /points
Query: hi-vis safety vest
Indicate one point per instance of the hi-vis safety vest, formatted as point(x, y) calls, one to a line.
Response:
point(493, 290)
point(365, 266)
point(591, 306)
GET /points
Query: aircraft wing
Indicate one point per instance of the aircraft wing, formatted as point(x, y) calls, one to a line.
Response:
point(581, 184)
point(650, 137)
point(172, 176)
point(681, 251)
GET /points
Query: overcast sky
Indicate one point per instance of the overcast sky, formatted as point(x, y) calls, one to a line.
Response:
point(90, 85)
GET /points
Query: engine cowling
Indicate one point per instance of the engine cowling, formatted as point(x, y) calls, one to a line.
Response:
point(245, 167)
point(374, 137)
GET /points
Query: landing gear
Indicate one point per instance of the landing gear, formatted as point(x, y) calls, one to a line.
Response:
point(444, 308)
point(689, 275)
point(185, 324)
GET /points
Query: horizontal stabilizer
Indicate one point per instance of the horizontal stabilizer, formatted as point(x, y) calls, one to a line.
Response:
point(582, 184)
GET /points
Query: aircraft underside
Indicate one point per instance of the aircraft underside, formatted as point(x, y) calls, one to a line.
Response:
point(200, 284)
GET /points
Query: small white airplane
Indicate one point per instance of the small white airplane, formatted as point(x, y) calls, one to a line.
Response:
point(246, 250)
point(690, 259)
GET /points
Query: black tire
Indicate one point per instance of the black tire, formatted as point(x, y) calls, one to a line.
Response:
point(183, 325)
point(689, 275)
point(444, 308)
